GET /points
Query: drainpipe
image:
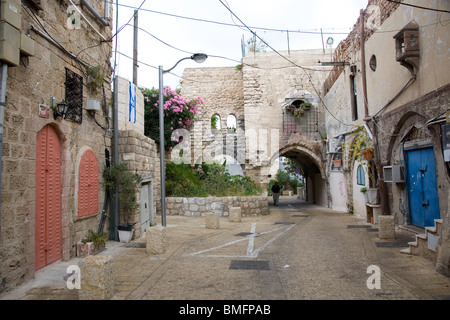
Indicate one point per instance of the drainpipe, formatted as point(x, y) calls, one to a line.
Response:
point(116, 155)
point(363, 64)
point(384, 199)
point(104, 21)
point(3, 78)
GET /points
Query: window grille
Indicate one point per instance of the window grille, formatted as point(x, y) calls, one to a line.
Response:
point(307, 124)
point(74, 96)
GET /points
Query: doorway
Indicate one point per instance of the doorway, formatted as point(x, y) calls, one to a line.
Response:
point(146, 206)
point(421, 186)
point(48, 242)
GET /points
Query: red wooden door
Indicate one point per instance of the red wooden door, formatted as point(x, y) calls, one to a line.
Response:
point(48, 242)
point(88, 184)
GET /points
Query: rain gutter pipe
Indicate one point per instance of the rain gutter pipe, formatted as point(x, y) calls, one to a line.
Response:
point(3, 78)
point(103, 20)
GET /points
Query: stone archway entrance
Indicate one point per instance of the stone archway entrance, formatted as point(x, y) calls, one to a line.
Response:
point(311, 164)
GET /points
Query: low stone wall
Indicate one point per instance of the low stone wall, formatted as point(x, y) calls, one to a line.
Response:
point(256, 205)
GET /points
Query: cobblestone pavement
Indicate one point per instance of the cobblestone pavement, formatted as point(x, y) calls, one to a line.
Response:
point(297, 252)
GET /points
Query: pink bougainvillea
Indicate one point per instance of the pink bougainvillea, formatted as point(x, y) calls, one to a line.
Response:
point(179, 113)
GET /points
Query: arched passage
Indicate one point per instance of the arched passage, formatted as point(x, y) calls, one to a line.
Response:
point(314, 173)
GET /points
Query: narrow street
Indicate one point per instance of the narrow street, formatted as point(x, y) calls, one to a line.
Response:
point(297, 252)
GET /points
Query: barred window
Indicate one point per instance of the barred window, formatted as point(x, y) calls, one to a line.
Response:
point(74, 96)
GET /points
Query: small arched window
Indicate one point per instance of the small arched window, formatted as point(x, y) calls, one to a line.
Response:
point(231, 123)
point(215, 122)
point(360, 176)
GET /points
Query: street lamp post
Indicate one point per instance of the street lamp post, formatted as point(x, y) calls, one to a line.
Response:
point(199, 58)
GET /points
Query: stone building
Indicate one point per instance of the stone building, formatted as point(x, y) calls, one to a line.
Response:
point(392, 86)
point(259, 94)
point(51, 192)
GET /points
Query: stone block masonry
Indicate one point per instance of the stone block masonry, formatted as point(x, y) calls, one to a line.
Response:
point(97, 278)
point(252, 205)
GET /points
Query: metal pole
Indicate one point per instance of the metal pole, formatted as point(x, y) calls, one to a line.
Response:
point(116, 155)
point(135, 47)
point(161, 147)
point(3, 78)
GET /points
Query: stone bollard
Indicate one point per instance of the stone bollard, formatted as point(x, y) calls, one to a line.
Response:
point(156, 240)
point(386, 227)
point(97, 279)
point(235, 214)
point(212, 220)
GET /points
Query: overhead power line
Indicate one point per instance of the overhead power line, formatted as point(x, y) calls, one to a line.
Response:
point(229, 24)
point(419, 7)
point(290, 61)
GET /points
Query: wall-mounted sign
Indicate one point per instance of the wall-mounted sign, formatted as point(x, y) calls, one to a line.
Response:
point(44, 111)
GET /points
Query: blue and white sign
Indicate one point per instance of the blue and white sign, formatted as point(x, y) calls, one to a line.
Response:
point(132, 103)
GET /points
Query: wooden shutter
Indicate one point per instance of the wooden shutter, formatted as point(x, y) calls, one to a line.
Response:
point(88, 184)
point(48, 241)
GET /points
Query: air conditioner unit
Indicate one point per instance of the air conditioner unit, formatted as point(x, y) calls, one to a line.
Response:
point(333, 145)
point(393, 173)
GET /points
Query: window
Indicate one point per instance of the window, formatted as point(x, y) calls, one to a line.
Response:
point(373, 62)
point(88, 184)
point(360, 176)
point(354, 98)
point(74, 96)
point(231, 124)
point(215, 122)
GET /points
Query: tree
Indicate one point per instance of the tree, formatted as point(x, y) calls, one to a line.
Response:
point(178, 114)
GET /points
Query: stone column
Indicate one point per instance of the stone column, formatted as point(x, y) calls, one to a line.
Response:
point(97, 280)
point(156, 240)
point(386, 227)
point(212, 220)
point(235, 214)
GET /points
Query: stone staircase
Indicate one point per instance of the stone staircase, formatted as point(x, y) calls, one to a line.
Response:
point(426, 243)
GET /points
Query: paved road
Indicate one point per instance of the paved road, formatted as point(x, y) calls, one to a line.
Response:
point(297, 252)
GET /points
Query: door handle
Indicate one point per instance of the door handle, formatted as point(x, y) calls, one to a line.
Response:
point(424, 204)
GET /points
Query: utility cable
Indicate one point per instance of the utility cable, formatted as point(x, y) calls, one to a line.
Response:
point(292, 62)
point(419, 7)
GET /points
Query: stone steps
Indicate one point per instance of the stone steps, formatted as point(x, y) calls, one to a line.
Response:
point(426, 243)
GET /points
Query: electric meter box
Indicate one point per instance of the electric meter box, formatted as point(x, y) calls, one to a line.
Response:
point(11, 12)
point(9, 44)
point(93, 105)
point(26, 45)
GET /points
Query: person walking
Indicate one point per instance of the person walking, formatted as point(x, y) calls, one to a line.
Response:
point(276, 193)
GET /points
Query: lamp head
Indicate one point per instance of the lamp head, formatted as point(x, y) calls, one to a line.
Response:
point(199, 57)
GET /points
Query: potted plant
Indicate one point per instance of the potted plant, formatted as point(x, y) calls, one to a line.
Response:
point(128, 184)
point(337, 163)
point(93, 243)
point(367, 153)
point(301, 109)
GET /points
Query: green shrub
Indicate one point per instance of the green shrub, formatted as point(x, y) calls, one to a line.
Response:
point(203, 180)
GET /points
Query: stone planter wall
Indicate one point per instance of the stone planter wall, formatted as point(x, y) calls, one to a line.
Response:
point(256, 205)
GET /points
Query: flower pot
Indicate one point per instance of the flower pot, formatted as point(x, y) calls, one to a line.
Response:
point(125, 233)
point(371, 196)
point(337, 163)
point(88, 248)
point(367, 154)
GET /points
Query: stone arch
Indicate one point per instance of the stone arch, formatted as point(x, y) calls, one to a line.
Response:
point(311, 163)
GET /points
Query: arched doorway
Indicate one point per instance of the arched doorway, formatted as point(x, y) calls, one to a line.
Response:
point(48, 243)
point(313, 173)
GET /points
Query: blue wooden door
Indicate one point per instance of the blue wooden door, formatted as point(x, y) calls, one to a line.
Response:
point(422, 187)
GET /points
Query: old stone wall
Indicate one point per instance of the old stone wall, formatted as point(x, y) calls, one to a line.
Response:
point(254, 205)
point(398, 100)
point(31, 84)
point(221, 91)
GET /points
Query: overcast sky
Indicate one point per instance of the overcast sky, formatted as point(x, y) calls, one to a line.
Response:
point(157, 18)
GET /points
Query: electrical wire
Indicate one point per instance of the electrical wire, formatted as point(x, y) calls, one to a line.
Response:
point(293, 63)
point(419, 7)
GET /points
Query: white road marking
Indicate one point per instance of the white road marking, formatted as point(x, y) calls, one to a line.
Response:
point(251, 253)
